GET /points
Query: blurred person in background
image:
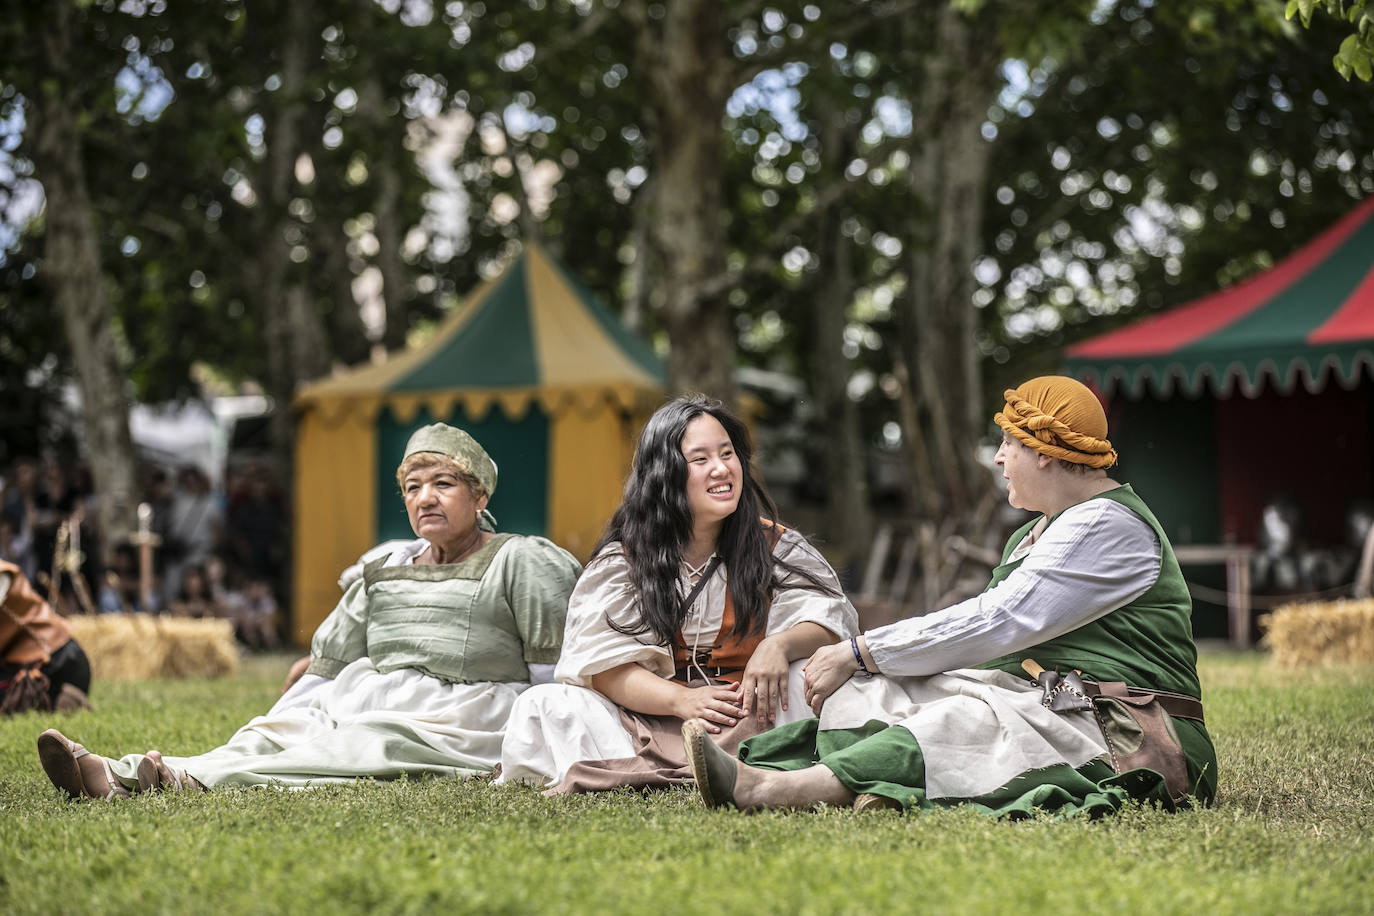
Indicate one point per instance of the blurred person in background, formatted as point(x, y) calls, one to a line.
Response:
point(195, 600)
point(21, 489)
point(257, 618)
point(256, 526)
point(120, 589)
point(41, 665)
point(194, 527)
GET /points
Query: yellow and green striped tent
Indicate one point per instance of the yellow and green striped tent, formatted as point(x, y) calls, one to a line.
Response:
point(540, 373)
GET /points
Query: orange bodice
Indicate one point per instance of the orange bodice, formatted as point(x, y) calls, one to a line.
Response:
point(724, 658)
point(727, 655)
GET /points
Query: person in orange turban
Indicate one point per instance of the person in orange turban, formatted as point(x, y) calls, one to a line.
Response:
point(1069, 684)
point(1059, 417)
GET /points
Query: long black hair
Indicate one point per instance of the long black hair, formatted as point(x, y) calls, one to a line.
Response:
point(654, 524)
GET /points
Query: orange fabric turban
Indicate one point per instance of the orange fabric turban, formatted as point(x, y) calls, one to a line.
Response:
point(1059, 417)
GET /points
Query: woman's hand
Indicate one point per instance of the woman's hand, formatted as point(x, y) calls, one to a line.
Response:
point(764, 684)
point(715, 705)
point(829, 667)
point(297, 669)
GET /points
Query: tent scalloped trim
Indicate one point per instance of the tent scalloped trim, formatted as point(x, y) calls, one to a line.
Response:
point(514, 403)
point(1232, 378)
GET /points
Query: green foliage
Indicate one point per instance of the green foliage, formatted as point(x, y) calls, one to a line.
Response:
point(181, 106)
point(1160, 164)
point(1289, 834)
point(32, 372)
point(1223, 126)
point(1356, 54)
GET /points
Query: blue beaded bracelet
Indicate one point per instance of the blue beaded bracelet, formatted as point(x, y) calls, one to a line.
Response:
point(858, 656)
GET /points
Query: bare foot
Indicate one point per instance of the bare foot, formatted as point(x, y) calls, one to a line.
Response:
point(155, 774)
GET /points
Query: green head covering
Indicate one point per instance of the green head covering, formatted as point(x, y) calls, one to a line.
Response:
point(442, 439)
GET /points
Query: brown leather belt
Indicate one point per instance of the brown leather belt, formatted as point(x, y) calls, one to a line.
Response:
point(1178, 705)
point(686, 672)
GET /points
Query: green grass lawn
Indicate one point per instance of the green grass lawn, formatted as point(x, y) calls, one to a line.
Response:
point(1291, 832)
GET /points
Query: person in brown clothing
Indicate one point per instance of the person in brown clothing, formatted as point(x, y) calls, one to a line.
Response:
point(36, 646)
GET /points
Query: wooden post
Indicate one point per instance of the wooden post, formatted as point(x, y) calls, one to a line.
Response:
point(71, 563)
point(146, 541)
point(1236, 558)
point(877, 559)
point(1238, 599)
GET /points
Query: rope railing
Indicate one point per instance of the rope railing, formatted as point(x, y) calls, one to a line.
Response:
point(1267, 602)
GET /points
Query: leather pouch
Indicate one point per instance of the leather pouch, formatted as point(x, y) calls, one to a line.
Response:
point(26, 689)
point(1139, 733)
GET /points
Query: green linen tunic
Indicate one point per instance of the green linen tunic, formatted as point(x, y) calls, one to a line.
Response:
point(482, 619)
point(1147, 642)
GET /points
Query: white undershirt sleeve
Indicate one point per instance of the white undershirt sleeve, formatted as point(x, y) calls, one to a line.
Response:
point(1096, 557)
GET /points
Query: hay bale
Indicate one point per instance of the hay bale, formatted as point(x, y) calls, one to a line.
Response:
point(136, 647)
point(1340, 632)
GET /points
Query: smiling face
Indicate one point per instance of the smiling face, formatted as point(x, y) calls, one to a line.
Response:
point(714, 477)
point(440, 504)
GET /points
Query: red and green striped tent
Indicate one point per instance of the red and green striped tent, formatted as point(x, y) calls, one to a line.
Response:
point(1258, 392)
point(1306, 319)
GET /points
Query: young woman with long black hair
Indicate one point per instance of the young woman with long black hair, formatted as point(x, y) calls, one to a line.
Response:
point(695, 606)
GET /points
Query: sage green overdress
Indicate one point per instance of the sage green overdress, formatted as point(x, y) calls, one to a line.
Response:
point(423, 665)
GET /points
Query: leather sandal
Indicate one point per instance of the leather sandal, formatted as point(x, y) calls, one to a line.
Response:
point(61, 759)
point(155, 775)
point(713, 769)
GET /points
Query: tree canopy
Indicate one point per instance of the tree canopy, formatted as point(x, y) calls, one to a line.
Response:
point(904, 205)
point(1356, 53)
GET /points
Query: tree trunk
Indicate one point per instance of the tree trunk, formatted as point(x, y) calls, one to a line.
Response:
point(348, 339)
point(72, 258)
point(689, 74)
point(965, 156)
point(949, 167)
point(637, 292)
point(295, 336)
point(384, 174)
point(390, 237)
point(920, 489)
point(849, 518)
point(520, 162)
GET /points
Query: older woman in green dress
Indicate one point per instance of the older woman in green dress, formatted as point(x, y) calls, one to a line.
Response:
point(415, 671)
